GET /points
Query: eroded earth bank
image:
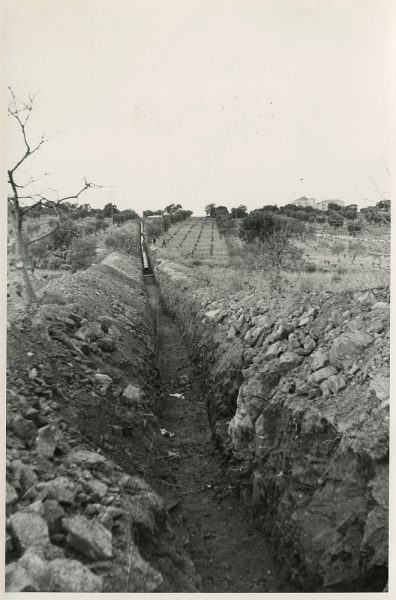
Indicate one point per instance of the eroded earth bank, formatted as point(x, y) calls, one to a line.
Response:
point(195, 442)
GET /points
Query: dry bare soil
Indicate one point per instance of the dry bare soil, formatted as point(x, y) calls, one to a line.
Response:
point(210, 434)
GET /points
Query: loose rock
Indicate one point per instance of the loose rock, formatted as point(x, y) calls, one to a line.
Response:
point(28, 529)
point(71, 576)
point(89, 537)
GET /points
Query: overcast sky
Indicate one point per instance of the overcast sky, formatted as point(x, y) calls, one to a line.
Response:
point(197, 101)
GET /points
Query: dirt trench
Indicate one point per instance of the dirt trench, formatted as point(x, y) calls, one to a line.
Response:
point(219, 533)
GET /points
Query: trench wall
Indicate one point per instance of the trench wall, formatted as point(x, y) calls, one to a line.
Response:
point(297, 393)
point(83, 512)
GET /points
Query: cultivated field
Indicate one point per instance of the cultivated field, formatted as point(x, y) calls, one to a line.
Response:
point(329, 261)
point(197, 238)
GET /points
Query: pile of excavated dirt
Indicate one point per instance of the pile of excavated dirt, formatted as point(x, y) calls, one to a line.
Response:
point(82, 435)
point(298, 399)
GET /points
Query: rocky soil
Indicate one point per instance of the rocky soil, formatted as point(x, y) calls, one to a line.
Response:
point(218, 531)
point(257, 464)
point(82, 435)
point(298, 401)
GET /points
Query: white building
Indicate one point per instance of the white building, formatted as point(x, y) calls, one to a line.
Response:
point(304, 201)
point(324, 204)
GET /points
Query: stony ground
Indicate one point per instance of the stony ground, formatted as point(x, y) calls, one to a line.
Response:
point(299, 402)
point(218, 442)
point(81, 441)
point(228, 549)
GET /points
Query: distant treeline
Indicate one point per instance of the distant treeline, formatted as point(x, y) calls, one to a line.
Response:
point(173, 213)
point(298, 219)
point(82, 211)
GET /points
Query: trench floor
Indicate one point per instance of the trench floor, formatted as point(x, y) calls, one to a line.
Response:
point(216, 528)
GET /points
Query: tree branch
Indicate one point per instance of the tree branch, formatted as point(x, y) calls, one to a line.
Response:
point(76, 196)
point(26, 209)
point(15, 111)
point(43, 236)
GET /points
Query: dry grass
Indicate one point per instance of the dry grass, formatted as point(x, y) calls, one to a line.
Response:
point(245, 271)
point(222, 278)
point(338, 281)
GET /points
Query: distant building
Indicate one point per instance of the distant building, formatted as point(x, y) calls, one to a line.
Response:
point(304, 201)
point(324, 204)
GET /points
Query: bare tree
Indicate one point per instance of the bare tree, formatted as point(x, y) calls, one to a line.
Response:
point(21, 200)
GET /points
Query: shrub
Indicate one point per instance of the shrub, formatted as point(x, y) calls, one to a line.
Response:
point(120, 241)
point(39, 251)
point(100, 225)
point(236, 282)
point(153, 228)
point(81, 253)
point(54, 262)
point(310, 267)
point(355, 227)
point(355, 248)
point(42, 264)
point(338, 248)
point(63, 236)
point(33, 228)
point(90, 228)
point(311, 283)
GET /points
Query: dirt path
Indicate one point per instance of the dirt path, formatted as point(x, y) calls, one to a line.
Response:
point(228, 550)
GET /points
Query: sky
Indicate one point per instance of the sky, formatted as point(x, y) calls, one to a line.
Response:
point(233, 102)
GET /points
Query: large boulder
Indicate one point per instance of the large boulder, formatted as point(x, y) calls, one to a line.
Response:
point(322, 374)
point(28, 529)
point(24, 429)
point(18, 579)
point(89, 537)
point(131, 395)
point(11, 495)
point(347, 346)
point(86, 458)
point(47, 439)
point(62, 489)
point(71, 576)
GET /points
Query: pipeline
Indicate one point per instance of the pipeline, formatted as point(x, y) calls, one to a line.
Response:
point(147, 270)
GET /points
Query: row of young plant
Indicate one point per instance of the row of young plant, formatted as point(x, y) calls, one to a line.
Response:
point(158, 222)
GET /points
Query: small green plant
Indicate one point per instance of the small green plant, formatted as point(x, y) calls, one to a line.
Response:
point(81, 253)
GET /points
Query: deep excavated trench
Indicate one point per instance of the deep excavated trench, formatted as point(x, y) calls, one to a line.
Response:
point(228, 550)
point(218, 531)
point(315, 493)
point(319, 496)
